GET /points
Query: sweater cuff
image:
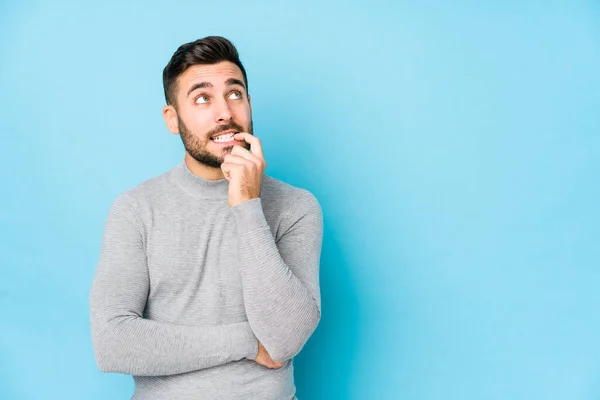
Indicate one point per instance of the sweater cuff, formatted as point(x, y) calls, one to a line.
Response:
point(243, 342)
point(249, 216)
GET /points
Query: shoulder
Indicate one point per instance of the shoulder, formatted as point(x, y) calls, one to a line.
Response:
point(143, 195)
point(273, 189)
point(284, 199)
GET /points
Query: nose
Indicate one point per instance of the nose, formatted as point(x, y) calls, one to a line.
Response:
point(223, 111)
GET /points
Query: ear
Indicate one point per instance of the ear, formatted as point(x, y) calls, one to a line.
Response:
point(170, 116)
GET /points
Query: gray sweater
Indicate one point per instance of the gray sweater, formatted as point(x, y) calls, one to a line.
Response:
point(186, 286)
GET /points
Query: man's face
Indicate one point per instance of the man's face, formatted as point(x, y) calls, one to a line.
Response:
point(212, 103)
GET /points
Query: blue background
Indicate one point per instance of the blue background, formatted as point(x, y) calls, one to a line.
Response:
point(455, 150)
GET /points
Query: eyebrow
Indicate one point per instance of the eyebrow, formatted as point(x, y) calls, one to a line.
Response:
point(234, 81)
point(228, 82)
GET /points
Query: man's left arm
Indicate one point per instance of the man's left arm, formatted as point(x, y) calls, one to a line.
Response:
point(281, 279)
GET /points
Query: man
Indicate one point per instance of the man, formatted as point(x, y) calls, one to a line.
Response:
point(208, 280)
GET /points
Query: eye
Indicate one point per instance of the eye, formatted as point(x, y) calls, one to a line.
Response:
point(202, 99)
point(235, 95)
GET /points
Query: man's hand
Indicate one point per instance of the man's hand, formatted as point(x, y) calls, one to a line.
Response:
point(244, 170)
point(263, 358)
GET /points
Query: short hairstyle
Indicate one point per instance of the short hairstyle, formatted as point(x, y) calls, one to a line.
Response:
point(208, 50)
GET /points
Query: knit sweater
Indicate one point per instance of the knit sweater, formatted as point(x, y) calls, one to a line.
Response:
point(186, 286)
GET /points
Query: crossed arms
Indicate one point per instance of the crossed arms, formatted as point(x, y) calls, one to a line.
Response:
point(280, 283)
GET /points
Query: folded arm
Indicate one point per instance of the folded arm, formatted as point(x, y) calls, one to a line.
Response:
point(123, 340)
point(281, 279)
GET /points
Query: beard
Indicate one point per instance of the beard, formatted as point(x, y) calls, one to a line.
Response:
point(197, 147)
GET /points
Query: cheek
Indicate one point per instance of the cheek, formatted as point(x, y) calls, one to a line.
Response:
point(244, 113)
point(197, 122)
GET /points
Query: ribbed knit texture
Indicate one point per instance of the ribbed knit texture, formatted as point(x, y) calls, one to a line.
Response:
point(186, 286)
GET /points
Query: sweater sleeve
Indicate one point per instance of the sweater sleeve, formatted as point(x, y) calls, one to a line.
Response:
point(123, 340)
point(281, 279)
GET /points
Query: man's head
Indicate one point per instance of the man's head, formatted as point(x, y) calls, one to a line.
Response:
point(206, 89)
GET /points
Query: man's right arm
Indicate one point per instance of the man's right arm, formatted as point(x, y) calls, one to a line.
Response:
point(127, 343)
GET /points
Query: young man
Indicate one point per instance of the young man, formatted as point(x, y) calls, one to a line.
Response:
point(208, 280)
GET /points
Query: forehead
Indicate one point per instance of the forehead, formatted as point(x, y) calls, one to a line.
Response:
point(216, 74)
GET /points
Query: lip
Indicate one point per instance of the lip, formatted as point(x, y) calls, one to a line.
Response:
point(227, 132)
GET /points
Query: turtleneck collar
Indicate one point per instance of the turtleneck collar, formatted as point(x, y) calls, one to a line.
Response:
point(198, 186)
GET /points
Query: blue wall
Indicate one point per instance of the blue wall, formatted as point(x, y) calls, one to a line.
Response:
point(455, 151)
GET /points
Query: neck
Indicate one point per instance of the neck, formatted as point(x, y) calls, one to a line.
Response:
point(197, 185)
point(201, 170)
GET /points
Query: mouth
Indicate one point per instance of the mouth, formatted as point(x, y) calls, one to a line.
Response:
point(224, 137)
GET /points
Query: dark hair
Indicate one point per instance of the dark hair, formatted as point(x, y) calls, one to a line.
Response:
point(208, 50)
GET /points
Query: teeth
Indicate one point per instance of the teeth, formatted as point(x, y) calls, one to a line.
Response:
point(224, 138)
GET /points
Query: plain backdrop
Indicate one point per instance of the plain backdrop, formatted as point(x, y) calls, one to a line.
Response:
point(454, 148)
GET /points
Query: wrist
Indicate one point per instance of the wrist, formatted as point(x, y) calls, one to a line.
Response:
point(241, 200)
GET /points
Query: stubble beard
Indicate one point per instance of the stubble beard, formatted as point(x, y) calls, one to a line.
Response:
point(196, 147)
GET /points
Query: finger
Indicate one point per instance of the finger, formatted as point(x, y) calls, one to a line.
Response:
point(242, 152)
point(255, 145)
point(235, 159)
point(232, 169)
